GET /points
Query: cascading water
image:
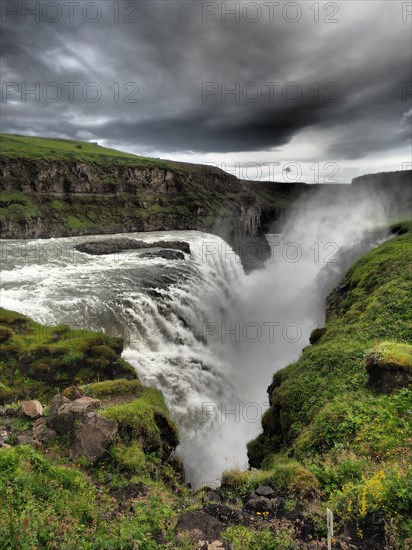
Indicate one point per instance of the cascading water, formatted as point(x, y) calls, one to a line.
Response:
point(199, 329)
point(158, 306)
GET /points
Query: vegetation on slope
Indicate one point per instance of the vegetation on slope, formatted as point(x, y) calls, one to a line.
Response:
point(38, 361)
point(325, 414)
point(53, 149)
point(48, 499)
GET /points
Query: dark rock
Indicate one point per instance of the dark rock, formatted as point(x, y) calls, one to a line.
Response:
point(388, 378)
point(265, 491)
point(41, 432)
point(169, 434)
point(165, 254)
point(199, 526)
point(110, 246)
point(92, 438)
point(316, 335)
point(57, 401)
point(70, 413)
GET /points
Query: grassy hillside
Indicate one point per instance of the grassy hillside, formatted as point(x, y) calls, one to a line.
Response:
point(48, 499)
point(47, 149)
point(349, 442)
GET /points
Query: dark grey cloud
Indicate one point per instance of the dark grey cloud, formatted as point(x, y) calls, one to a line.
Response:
point(348, 75)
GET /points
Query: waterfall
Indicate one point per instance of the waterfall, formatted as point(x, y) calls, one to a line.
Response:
point(207, 335)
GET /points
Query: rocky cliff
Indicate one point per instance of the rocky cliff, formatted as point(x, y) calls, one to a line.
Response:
point(394, 187)
point(57, 188)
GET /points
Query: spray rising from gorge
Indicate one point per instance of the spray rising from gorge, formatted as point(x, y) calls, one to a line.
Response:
point(209, 336)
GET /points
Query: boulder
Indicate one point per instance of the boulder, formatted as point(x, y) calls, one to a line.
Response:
point(265, 491)
point(71, 413)
point(316, 335)
point(57, 401)
point(32, 409)
point(41, 432)
point(199, 527)
point(73, 392)
point(92, 438)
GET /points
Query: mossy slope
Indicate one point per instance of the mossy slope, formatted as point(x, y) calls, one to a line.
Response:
point(354, 439)
point(37, 360)
point(48, 500)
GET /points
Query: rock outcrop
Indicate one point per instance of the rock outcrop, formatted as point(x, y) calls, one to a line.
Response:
point(93, 436)
point(92, 433)
point(67, 414)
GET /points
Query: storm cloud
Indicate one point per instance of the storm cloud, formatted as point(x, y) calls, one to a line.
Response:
point(180, 77)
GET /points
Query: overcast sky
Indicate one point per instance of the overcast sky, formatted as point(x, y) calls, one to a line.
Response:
point(271, 90)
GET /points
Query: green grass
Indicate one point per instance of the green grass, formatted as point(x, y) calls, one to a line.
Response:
point(286, 475)
point(110, 388)
point(54, 149)
point(244, 538)
point(354, 439)
point(146, 419)
point(17, 207)
point(47, 504)
point(37, 148)
point(391, 354)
